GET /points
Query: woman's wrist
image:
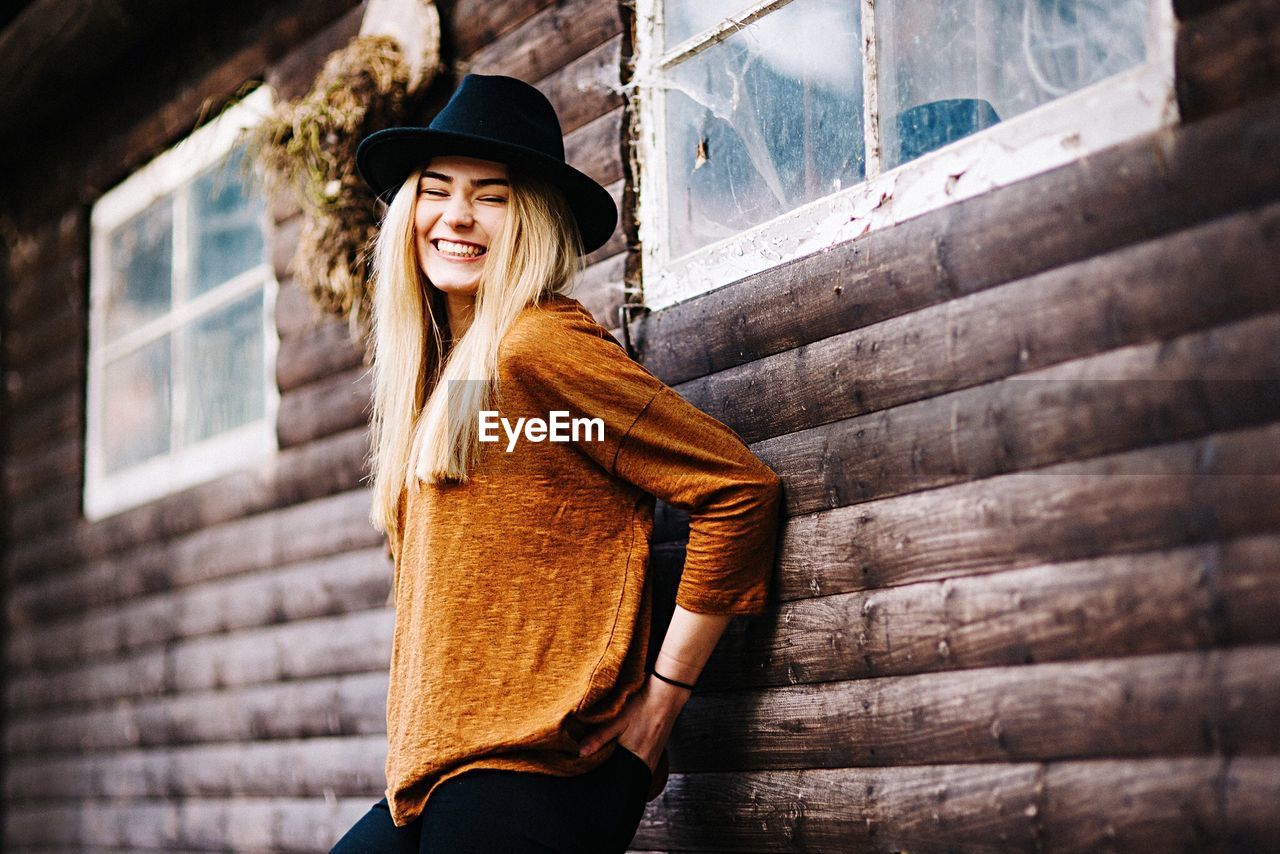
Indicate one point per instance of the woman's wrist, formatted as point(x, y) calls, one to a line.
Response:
point(666, 695)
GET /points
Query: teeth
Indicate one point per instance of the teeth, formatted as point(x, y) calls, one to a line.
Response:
point(461, 249)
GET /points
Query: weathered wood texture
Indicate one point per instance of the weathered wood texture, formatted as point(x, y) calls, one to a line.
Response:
point(1105, 805)
point(1163, 804)
point(191, 68)
point(1228, 58)
point(1186, 9)
point(472, 24)
point(53, 44)
point(548, 40)
point(293, 75)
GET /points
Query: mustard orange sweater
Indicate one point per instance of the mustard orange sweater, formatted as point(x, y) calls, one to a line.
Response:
point(521, 603)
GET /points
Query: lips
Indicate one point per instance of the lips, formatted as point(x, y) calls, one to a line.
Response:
point(458, 250)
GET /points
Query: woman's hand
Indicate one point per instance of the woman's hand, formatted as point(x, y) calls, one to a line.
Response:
point(645, 723)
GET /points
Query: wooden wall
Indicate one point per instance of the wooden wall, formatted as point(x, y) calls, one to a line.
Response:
point(1027, 583)
point(1031, 568)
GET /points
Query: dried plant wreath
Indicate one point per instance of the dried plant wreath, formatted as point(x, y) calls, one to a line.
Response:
point(308, 146)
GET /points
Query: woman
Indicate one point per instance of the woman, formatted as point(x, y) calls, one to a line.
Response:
point(517, 451)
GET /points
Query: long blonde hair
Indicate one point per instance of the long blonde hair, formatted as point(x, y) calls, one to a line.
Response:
point(427, 395)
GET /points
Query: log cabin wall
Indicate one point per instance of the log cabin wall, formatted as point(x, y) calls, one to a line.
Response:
point(1011, 615)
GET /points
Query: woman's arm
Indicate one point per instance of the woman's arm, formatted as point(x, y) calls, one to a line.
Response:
point(651, 715)
point(690, 640)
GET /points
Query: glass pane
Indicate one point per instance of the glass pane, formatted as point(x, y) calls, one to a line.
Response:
point(682, 19)
point(226, 225)
point(141, 269)
point(763, 122)
point(225, 372)
point(949, 69)
point(135, 420)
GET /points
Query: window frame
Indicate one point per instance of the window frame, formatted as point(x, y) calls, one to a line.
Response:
point(1106, 113)
point(245, 447)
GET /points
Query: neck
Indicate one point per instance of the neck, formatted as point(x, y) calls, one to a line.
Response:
point(460, 309)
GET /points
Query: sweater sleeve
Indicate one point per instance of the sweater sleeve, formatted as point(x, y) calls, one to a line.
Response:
point(698, 464)
point(659, 442)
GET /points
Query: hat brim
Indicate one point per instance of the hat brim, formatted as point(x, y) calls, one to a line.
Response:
point(385, 159)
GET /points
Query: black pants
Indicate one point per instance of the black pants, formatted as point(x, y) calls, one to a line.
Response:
point(494, 812)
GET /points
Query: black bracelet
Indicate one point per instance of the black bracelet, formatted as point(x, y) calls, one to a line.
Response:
point(670, 681)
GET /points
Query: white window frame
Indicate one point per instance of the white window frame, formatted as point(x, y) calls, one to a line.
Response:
point(250, 445)
point(1111, 111)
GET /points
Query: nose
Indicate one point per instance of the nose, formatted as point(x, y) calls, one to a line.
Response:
point(458, 213)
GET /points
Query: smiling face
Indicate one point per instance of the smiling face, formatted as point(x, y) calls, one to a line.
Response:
point(462, 203)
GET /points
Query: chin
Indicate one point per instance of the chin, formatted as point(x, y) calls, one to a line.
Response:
point(451, 285)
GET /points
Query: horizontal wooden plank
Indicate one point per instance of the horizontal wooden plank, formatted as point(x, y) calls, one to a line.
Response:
point(340, 766)
point(319, 351)
point(318, 528)
point(302, 708)
point(194, 69)
point(586, 88)
point(1184, 703)
point(47, 422)
point(548, 40)
point(296, 313)
point(1219, 487)
point(47, 268)
point(284, 244)
point(1226, 57)
point(189, 826)
point(1208, 804)
point(1161, 804)
point(1186, 9)
point(1142, 294)
point(62, 367)
point(102, 627)
point(54, 46)
point(600, 290)
point(618, 240)
point(58, 463)
point(595, 148)
point(355, 642)
point(1184, 598)
point(152, 543)
point(46, 513)
point(37, 339)
point(292, 75)
point(1189, 175)
point(472, 24)
point(1174, 704)
point(1217, 379)
point(327, 406)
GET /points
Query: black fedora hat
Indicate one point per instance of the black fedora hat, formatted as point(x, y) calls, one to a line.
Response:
point(491, 117)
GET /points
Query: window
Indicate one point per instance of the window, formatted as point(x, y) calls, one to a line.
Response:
point(181, 337)
point(770, 130)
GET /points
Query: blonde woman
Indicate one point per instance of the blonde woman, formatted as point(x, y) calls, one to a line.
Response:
point(516, 455)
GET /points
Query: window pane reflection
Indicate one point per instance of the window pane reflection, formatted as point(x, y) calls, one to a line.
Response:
point(683, 19)
point(224, 375)
point(141, 269)
point(226, 225)
point(763, 122)
point(948, 69)
point(136, 397)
